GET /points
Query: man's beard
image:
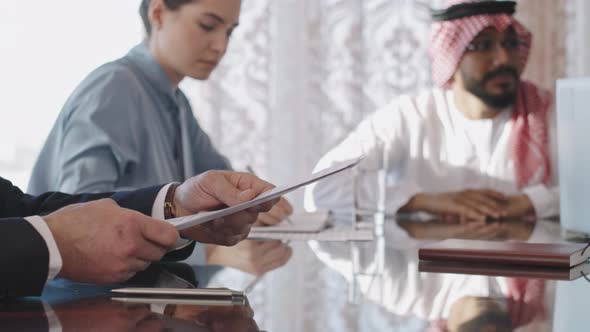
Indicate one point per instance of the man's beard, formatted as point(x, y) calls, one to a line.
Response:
point(477, 88)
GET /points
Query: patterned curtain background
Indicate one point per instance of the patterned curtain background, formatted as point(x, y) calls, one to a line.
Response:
point(299, 75)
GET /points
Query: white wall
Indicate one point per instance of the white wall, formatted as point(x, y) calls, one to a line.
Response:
point(46, 48)
point(580, 40)
point(584, 35)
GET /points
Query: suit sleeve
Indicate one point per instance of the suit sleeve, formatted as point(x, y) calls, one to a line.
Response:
point(15, 203)
point(24, 258)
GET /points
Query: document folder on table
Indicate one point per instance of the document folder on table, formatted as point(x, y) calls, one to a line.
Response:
point(502, 252)
point(306, 222)
point(318, 226)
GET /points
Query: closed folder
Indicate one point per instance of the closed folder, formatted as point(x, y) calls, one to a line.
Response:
point(512, 253)
point(512, 271)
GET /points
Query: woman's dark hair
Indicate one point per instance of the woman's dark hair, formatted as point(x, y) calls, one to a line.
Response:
point(145, 5)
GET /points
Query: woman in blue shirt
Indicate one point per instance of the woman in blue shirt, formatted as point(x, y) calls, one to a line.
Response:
point(128, 125)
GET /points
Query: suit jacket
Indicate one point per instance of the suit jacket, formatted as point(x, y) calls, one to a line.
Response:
point(24, 256)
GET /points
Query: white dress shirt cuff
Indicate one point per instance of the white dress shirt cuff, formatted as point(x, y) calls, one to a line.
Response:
point(399, 196)
point(52, 319)
point(158, 213)
point(55, 261)
point(158, 207)
point(158, 308)
point(545, 200)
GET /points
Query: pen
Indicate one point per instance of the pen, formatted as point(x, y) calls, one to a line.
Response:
point(251, 171)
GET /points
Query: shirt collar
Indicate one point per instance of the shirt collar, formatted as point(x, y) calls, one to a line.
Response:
point(141, 56)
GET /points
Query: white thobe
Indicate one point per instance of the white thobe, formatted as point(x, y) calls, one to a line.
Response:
point(430, 146)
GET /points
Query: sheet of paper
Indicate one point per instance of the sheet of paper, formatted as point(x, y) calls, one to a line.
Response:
point(305, 222)
point(335, 233)
point(189, 221)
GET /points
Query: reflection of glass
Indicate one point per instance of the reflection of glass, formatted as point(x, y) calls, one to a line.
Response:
point(369, 198)
point(368, 267)
point(369, 186)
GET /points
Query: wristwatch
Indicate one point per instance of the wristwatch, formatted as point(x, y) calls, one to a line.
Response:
point(169, 207)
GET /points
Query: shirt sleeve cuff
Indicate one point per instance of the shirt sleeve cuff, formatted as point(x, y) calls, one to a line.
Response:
point(399, 196)
point(545, 200)
point(55, 260)
point(158, 207)
point(158, 308)
point(158, 213)
point(52, 319)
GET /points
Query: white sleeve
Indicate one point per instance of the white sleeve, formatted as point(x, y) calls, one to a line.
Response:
point(545, 200)
point(52, 319)
point(158, 213)
point(158, 207)
point(55, 260)
point(381, 140)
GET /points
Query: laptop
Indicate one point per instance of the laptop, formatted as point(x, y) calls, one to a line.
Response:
point(573, 137)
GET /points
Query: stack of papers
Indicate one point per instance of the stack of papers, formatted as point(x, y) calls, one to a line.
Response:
point(300, 223)
point(316, 226)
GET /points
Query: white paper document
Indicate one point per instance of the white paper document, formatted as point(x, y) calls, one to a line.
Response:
point(337, 233)
point(189, 221)
point(305, 222)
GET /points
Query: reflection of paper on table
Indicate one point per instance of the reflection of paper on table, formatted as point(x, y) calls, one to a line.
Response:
point(189, 221)
point(305, 222)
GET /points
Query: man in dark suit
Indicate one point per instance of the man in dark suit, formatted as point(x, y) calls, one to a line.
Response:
point(106, 238)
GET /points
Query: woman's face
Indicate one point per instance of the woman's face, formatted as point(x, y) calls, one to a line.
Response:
point(191, 40)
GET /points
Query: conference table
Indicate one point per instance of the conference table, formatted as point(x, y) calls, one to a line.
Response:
point(376, 285)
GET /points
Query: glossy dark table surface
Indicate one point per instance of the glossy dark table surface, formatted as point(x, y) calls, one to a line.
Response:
point(382, 280)
point(461, 297)
point(67, 306)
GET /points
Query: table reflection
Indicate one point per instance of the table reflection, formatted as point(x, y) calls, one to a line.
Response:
point(67, 306)
point(444, 301)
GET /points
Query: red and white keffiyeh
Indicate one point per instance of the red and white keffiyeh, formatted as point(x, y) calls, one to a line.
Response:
point(449, 40)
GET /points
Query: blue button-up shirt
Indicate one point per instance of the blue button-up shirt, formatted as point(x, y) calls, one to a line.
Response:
point(125, 127)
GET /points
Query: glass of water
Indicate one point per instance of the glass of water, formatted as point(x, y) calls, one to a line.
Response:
point(370, 189)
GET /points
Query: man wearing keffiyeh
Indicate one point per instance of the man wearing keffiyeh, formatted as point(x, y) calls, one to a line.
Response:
point(479, 145)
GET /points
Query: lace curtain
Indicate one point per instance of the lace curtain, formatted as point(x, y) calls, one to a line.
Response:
point(300, 74)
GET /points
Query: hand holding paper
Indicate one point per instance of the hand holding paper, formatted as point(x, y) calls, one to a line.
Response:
point(243, 193)
point(260, 202)
point(217, 189)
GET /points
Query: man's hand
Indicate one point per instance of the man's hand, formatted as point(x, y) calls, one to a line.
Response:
point(255, 257)
point(465, 205)
point(104, 314)
point(217, 318)
point(519, 206)
point(278, 213)
point(103, 243)
point(217, 189)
